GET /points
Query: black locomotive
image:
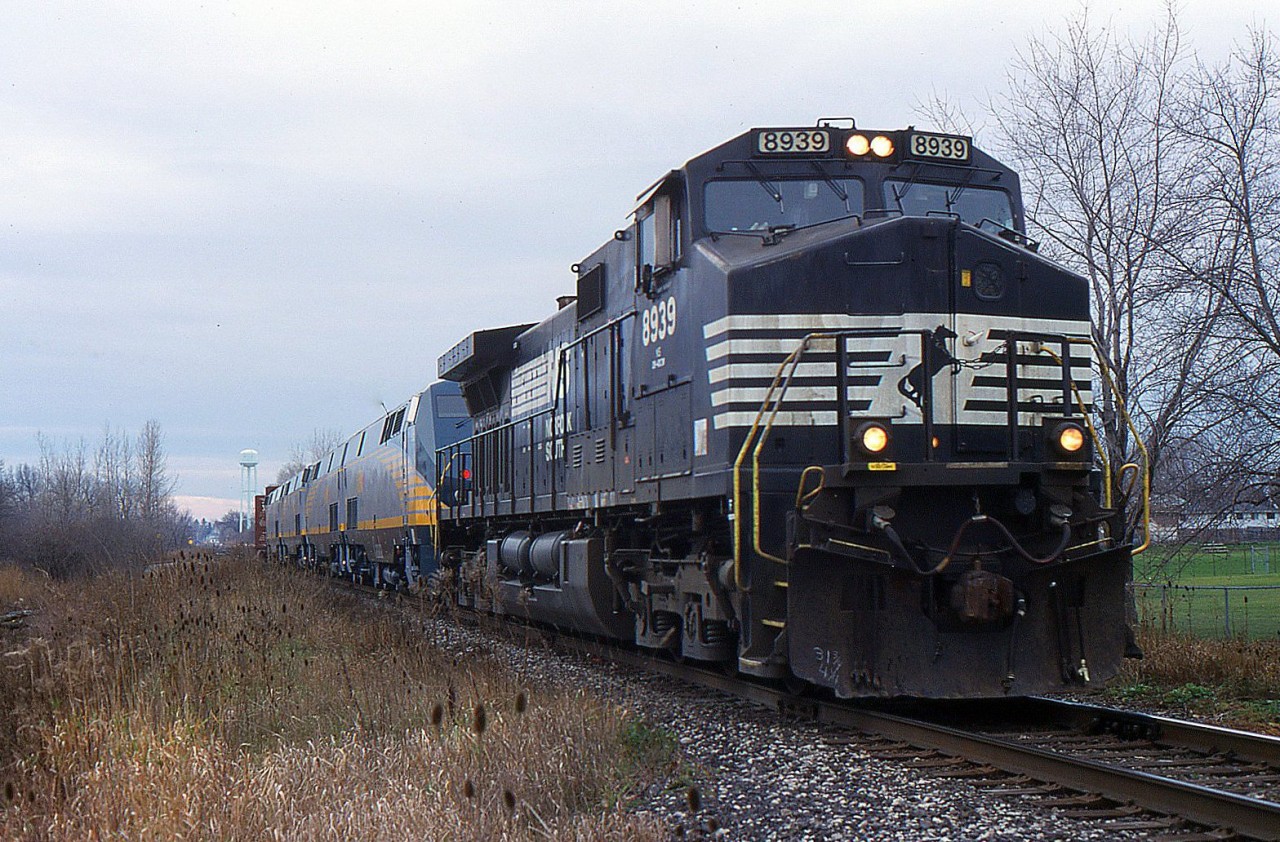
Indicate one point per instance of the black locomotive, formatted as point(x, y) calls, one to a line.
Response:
point(820, 412)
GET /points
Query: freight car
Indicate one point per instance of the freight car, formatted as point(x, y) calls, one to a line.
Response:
point(820, 412)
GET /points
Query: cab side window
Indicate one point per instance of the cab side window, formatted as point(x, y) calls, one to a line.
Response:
point(658, 235)
point(646, 254)
point(666, 214)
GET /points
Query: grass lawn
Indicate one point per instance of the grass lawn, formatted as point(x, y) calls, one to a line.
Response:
point(1199, 561)
point(1202, 590)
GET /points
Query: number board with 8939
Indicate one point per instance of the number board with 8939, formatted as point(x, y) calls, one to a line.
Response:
point(944, 146)
point(793, 142)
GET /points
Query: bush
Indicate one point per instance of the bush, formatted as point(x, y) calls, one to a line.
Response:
point(1247, 668)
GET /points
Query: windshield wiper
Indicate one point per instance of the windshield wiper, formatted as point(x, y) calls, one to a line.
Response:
point(954, 196)
point(906, 187)
point(840, 192)
point(774, 233)
point(768, 235)
point(715, 235)
point(825, 221)
point(764, 182)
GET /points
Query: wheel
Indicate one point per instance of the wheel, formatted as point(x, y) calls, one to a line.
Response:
point(796, 686)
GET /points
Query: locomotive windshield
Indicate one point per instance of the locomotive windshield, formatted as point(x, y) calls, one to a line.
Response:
point(759, 204)
point(971, 204)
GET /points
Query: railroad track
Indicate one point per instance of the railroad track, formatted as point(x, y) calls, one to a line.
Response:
point(1138, 772)
point(1141, 772)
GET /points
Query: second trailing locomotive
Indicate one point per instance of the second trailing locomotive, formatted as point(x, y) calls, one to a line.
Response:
point(819, 412)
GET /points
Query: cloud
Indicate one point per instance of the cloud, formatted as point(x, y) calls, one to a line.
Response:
point(249, 220)
point(206, 508)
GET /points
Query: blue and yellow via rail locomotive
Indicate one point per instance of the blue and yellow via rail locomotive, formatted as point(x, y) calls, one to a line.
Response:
point(367, 508)
point(820, 412)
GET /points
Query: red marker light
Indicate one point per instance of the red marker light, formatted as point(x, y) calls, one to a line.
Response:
point(466, 473)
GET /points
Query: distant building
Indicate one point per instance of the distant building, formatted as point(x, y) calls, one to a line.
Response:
point(1241, 522)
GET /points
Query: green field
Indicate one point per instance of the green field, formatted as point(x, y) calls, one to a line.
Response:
point(1195, 562)
point(1211, 590)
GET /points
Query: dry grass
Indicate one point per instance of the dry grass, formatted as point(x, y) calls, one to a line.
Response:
point(225, 701)
point(1250, 668)
point(18, 586)
point(1236, 681)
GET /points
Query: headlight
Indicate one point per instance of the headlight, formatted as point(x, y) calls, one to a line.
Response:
point(858, 144)
point(1068, 438)
point(873, 438)
point(882, 146)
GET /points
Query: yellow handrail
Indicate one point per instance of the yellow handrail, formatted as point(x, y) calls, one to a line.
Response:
point(1145, 468)
point(1146, 497)
point(755, 457)
point(1120, 474)
point(435, 502)
point(793, 360)
point(802, 496)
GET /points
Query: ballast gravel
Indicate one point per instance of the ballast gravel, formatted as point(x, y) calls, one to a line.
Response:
point(759, 776)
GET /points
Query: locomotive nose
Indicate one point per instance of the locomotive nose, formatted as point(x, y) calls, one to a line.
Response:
point(899, 265)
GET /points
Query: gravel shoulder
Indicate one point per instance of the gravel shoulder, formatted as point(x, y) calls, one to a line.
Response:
point(760, 776)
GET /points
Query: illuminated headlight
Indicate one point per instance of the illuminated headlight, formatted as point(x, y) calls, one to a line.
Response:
point(858, 144)
point(1068, 438)
point(881, 146)
point(872, 438)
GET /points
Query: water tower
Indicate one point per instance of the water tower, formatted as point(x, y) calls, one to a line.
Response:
point(248, 485)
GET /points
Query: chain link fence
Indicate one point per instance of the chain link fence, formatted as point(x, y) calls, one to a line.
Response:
point(1208, 559)
point(1246, 611)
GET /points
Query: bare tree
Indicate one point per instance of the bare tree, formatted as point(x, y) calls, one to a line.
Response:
point(8, 493)
point(77, 513)
point(227, 528)
point(321, 442)
point(67, 483)
point(27, 484)
point(115, 492)
point(153, 481)
point(1228, 120)
point(1084, 117)
point(8, 509)
point(948, 115)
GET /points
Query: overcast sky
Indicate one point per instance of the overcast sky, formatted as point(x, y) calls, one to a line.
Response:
point(252, 220)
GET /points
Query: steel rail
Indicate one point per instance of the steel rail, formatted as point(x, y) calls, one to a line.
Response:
point(1096, 719)
point(1250, 817)
point(1211, 739)
point(1246, 816)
